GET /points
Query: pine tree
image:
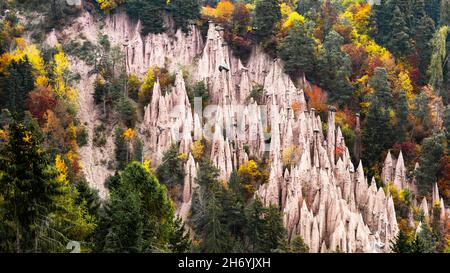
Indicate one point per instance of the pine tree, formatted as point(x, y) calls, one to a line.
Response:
point(15, 84)
point(216, 236)
point(28, 187)
point(298, 245)
point(150, 13)
point(425, 30)
point(139, 216)
point(425, 242)
point(298, 51)
point(334, 68)
point(432, 8)
point(256, 226)
point(402, 112)
point(382, 15)
point(183, 12)
point(429, 163)
point(275, 233)
point(171, 170)
point(267, 16)
point(398, 39)
point(180, 241)
point(120, 149)
point(402, 243)
point(378, 132)
point(422, 110)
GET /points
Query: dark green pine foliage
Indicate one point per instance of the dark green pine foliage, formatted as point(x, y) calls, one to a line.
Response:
point(216, 238)
point(184, 12)
point(398, 39)
point(402, 112)
point(378, 133)
point(298, 245)
point(171, 170)
point(429, 163)
point(139, 216)
point(425, 241)
point(382, 15)
point(432, 8)
point(267, 15)
point(298, 51)
point(275, 234)
point(121, 149)
point(207, 211)
point(425, 30)
point(422, 110)
point(15, 83)
point(28, 187)
point(334, 67)
point(150, 13)
point(180, 240)
point(87, 196)
point(402, 243)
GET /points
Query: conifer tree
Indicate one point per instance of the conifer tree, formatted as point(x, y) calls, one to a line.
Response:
point(378, 133)
point(15, 84)
point(335, 69)
point(183, 12)
point(298, 51)
point(267, 16)
point(429, 163)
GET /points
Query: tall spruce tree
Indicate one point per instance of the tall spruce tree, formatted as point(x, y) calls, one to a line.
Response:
point(298, 51)
point(139, 216)
point(28, 187)
point(429, 163)
point(402, 112)
point(267, 16)
point(183, 12)
point(334, 67)
point(378, 132)
point(398, 39)
point(15, 84)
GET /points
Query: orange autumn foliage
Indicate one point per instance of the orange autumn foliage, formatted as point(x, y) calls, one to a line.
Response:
point(317, 98)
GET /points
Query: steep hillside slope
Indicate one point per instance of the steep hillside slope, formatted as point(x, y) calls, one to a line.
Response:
point(324, 198)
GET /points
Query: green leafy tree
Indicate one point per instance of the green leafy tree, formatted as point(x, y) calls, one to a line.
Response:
point(439, 64)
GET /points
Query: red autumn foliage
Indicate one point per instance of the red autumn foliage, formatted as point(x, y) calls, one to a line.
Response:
point(350, 117)
point(358, 57)
point(344, 31)
point(39, 101)
point(409, 149)
point(317, 98)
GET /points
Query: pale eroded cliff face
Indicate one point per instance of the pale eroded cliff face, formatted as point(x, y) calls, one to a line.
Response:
point(324, 198)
